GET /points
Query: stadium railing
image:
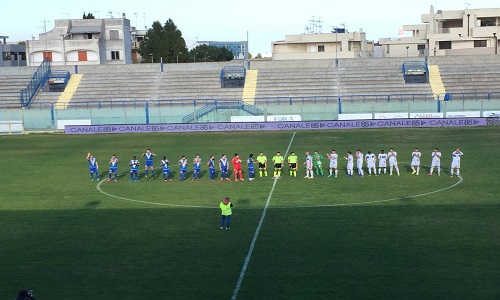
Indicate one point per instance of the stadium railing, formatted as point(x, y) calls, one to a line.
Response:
point(39, 78)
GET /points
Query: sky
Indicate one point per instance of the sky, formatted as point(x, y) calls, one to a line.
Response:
point(221, 20)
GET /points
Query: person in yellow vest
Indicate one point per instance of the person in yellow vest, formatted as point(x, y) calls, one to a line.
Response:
point(278, 164)
point(292, 163)
point(225, 207)
point(262, 160)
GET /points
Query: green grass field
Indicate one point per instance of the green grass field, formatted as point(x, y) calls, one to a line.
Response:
point(434, 237)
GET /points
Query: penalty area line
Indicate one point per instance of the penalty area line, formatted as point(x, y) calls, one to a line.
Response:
point(257, 231)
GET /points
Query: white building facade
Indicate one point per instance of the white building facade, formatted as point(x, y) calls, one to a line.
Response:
point(456, 32)
point(342, 44)
point(83, 42)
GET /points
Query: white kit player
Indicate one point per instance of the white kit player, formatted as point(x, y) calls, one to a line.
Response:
point(350, 163)
point(455, 162)
point(415, 161)
point(359, 162)
point(309, 166)
point(393, 161)
point(382, 162)
point(436, 161)
point(333, 156)
point(371, 161)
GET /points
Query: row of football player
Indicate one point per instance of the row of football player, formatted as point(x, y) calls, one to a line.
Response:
point(391, 156)
point(313, 164)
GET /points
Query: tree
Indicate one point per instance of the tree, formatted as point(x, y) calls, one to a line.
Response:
point(88, 16)
point(259, 55)
point(210, 53)
point(163, 42)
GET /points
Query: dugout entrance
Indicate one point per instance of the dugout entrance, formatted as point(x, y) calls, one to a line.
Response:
point(232, 77)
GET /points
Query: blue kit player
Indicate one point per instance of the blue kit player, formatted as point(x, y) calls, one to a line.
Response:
point(148, 163)
point(196, 167)
point(166, 168)
point(211, 167)
point(134, 169)
point(93, 167)
point(251, 167)
point(183, 163)
point(113, 168)
point(223, 167)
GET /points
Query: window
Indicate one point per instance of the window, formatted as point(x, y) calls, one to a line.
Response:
point(488, 22)
point(6, 56)
point(47, 56)
point(82, 55)
point(113, 35)
point(388, 49)
point(445, 45)
point(480, 43)
point(115, 55)
point(421, 49)
point(321, 48)
point(87, 36)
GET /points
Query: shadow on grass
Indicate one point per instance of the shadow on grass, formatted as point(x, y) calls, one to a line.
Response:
point(92, 204)
point(99, 253)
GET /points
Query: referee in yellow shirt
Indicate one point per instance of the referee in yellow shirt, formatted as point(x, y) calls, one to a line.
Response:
point(292, 163)
point(278, 164)
point(262, 160)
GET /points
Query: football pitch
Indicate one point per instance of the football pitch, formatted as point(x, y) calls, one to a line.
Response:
point(385, 237)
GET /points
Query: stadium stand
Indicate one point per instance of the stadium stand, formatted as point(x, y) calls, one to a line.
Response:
point(276, 79)
point(296, 82)
point(10, 85)
point(479, 77)
point(203, 84)
point(376, 76)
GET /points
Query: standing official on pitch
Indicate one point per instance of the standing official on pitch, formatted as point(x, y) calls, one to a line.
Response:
point(278, 164)
point(226, 212)
point(292, 164)
point(262, 160)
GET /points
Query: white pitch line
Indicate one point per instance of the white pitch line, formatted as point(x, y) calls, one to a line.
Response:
point(147, 202)
point(375, 201)
point(281, 207)
point(257, 231)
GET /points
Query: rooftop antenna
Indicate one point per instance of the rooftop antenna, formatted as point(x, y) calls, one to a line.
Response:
point(315, 26)
point(96, 11)
point(466, 5)
point(144, 16)
point(110, 14)
point(135, 14)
